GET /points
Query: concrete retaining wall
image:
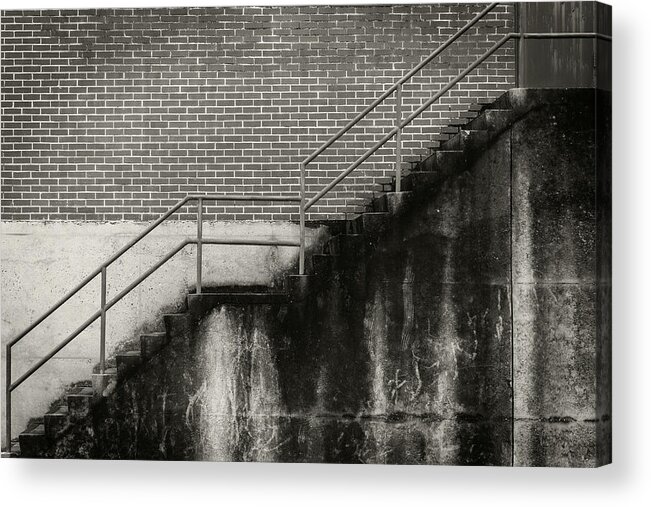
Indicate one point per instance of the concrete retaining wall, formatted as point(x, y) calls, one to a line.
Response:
point(473, 329)
point(41, 262)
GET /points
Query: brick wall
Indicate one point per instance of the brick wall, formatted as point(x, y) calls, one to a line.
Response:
point(115, 114)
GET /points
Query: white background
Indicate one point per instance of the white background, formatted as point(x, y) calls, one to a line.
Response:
point(626, 482)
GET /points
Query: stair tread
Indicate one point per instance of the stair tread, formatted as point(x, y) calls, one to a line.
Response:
point(80, 390)
point(204, 301)
point(236, 294)
point(129, 353)
point(234, 289)
point(62, 410)
point(35, 431)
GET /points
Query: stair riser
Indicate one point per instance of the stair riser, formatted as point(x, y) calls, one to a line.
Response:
point(492, 120)
point(177, 325)
point(392, 202)
point(467, 141)
point(33, 446)
point(415, 181)
point(333, 245)
point(55, 423)
point(126, 365)
point(371, 224)
point(322, 264)
point(150, 345)
point(442, 162)
point(79, 405)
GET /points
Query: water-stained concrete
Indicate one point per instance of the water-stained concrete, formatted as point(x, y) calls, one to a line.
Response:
point(473, 330)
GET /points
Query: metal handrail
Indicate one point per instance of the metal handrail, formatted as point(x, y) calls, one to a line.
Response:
point(400, 124)
point(399, 83)
point(304, 204)
point(107, 305)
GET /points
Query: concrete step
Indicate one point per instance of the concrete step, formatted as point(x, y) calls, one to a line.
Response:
point(15, 448)
point(322, 264)
point(449, 130)
point(493, 120)
point(13, 451)
point(199, 304)
point(151, 344)
point(332, 246)
point(457, 122)
point(445, 162)
point(104, 383)
point(467, 141)
point(298, 287)
point(33, 442)
point(440, 137)
point(56, 421)
point(352, 244)
point(414, 157)
point(371, 224)
point(127, 362)
point(485, 101)
point(79, 401)
point(177, 325)
point(422, 179)
point(468, 115)
point(385, 183)
point(391, 202)
point(432, 146)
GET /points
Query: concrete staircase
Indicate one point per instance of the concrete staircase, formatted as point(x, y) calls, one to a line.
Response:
point(452, 149)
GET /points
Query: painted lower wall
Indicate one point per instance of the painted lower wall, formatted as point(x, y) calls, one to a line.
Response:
point(41, 262)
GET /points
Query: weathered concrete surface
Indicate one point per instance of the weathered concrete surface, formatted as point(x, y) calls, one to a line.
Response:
point(437, 316)
point(472, 330)
point(603, 126)
point(563, 63)
point(561, 280)
point(42, 261)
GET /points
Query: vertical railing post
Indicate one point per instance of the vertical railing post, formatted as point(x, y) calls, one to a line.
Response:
point(301, 253)
point(398, 138)
point(102, 326)
point(8, 398)
point(522, 57)
point(199, 238)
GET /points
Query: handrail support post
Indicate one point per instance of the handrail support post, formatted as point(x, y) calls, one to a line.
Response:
point(8, 397)
point(199, 242)
point(301, 253)
point(102, 334)
point(398, 138)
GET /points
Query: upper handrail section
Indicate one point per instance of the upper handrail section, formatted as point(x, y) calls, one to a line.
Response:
point(402, 123)
point(399, 83)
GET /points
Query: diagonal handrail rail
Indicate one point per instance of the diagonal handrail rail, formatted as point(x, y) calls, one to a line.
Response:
point(401, 124)
point(304, 204)
point(10, 385)
point(137, 239)
point(399, 83)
